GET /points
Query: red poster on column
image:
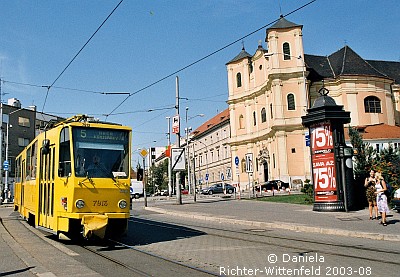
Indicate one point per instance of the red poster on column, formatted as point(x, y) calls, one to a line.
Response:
point(323, 163)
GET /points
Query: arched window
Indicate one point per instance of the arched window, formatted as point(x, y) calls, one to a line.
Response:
point(241, 122)
point(254, 119)
point(243, 165)
point(263, 115)
point(239, 80)
point(291, 105)
point(286, 51)
point(372, 104)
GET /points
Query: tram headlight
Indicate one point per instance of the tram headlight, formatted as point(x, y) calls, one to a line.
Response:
point(122, 204)
point(80, 203)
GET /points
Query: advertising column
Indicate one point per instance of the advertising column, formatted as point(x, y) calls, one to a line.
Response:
point(323, 162)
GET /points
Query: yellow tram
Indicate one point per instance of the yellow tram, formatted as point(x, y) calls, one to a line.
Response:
point(74, 179)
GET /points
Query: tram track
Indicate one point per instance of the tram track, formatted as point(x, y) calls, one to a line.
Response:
point(112, 243)
point(274, 240)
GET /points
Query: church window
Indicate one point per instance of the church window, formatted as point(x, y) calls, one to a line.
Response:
point(239, 80)
point(241, 122)
point(263, 115)
point(372, 104)
point(291, 105)
point(254, 119)
point(243, 165)
point(270, 107)
point(286, 51)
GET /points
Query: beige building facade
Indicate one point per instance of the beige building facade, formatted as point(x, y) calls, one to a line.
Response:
point(210, 151)
point(270, 90)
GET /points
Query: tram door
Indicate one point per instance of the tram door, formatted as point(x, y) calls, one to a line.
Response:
point(46, 189)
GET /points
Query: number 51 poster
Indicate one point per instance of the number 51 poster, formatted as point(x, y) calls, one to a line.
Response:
point(323, 162)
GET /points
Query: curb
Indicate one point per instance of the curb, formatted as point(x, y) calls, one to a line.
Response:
point(280, 225)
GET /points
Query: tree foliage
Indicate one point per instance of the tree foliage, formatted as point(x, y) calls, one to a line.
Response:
point(160, 175)
point(386, 160)
point(366, 153)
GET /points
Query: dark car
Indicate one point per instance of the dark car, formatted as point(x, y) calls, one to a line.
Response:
point(218, 188)
point(274, 184)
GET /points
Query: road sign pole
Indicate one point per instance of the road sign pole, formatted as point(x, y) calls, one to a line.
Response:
point(144, 153)
point(178, 144)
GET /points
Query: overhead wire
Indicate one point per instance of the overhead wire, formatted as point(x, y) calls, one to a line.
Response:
point(203, 58)
point(76, 55)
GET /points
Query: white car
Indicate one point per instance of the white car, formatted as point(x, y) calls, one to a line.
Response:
point(396, 200)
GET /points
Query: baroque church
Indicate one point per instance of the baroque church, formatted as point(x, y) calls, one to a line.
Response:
point(272, 89)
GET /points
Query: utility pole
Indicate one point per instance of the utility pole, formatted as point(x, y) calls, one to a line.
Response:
point(178, 144)
point(189, 174)
point(169, 158)
point(1, 144)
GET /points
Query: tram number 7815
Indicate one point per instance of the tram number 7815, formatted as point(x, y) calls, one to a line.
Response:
point(100, 203)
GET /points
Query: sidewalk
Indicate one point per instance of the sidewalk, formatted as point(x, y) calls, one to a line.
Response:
point(26, 254)
point(283, 216)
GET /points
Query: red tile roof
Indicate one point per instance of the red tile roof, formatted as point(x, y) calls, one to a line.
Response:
point(215, 121)
point(374, 132)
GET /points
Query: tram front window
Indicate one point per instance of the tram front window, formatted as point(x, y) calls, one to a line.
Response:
point(100, 153)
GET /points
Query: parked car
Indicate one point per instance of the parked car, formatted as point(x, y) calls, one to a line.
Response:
point(184, 191)
point(273, 184)
point(396, 200)
point(218, 188)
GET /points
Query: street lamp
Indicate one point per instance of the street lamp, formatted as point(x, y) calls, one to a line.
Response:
point(188, 130)
point(267, 55)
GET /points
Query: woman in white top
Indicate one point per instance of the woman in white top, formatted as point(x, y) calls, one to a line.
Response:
point(381, 198)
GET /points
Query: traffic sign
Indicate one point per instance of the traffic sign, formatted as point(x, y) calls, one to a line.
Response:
point(178, 159)
point(175, 124)
point(249, 163)
point(5, 165)
point(307, 137)
point(143, 153)
point(236, 160)
point(206, 178)
point(228, 173)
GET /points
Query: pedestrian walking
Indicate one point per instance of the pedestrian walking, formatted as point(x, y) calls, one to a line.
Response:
point(381, 198)
point(370, 183)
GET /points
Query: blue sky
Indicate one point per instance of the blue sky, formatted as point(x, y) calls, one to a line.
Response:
point(146, 40)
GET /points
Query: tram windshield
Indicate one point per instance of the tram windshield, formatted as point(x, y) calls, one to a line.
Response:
point(101, 153)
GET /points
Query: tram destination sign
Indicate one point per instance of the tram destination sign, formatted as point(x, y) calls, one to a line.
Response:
point(104, 135)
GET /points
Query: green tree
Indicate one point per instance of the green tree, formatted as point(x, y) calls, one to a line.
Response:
point(308, 190)
point(365, 157)
point(388, 162)
point(160, 175)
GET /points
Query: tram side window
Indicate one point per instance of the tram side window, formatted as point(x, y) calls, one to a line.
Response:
point(64, 168)
point(18, 170)
point(33, 160)
point(28, 164)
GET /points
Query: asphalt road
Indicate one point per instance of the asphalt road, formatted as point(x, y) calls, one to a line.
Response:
point(219, 247)
point(167, 245)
